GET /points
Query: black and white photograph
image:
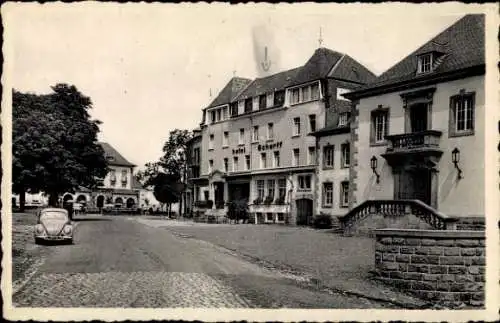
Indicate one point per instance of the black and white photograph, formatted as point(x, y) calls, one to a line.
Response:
point(260, 162)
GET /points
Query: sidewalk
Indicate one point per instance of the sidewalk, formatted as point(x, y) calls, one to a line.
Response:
point(337, 262)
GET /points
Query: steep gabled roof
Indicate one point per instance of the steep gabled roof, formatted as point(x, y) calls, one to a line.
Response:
point(230, 91)
point(326, 62)
point(460, 46)
point(113, 157)
point(351, 70)
point(271, 83)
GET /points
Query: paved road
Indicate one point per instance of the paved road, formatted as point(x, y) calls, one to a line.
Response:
point(119, 262)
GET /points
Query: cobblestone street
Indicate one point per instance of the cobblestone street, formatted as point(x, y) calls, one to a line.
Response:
point(118, 262)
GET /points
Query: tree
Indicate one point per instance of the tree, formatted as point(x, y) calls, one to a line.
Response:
point(168, 175)
point(54, 143)
point(167, 189)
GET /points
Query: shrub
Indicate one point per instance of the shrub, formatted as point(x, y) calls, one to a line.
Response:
point(280, 200)
point(238, 210)
point(268, 200)
point(322, 221)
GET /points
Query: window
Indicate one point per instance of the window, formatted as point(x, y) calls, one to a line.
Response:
point(304, 182)
point(315, 91)
point(235, 164)
point(241, 140)
point(280, 217)
point(270, 131)
point(270, 99)
point(279, 98)
point(224, 113)
point(234, 109)
point(112, 177)
point(247, 162)
point(296, 156)
point(312, 122)
point(379, 126)
point(462, 114)
point(225, 139)
point(282, 188)
point(262, 102)
point(255, 134)
point(226, 165)
point(197, 156)
point(269, 217)
point(276, 159)
point(210, 165)
point(296, 126)
point(327, 194)
point(328, 154)
point(206, 195)
point(212, 116)
point(219, 114)
point(295, 96)
point(211, 142)
point(344, 194)
point(425, 63)
point(306, 93)
point(271, 183)
point(248, 105)
point(346, 157)
point(260, 189)
point(344, 118)
point(311, 156)
point(263, 160)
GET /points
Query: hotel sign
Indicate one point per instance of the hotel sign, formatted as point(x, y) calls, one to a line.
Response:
point(274, 145)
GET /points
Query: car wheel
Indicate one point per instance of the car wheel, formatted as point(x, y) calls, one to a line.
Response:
point(38, 241)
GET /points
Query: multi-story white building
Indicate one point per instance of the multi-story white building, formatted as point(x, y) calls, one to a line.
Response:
point(256, 137)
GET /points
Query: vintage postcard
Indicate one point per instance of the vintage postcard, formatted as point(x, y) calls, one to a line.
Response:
point(217, 162)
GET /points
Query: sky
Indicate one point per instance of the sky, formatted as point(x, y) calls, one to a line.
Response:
point(150, 68)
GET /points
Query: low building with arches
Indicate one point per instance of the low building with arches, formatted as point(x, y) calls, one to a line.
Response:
point(117, 188)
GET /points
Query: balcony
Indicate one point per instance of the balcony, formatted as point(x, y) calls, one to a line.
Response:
point(422, 144)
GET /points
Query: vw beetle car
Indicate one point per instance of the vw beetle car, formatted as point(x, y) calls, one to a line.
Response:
point(53, 224)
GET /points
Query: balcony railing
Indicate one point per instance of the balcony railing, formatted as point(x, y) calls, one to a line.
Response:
point(398, 208)
point(414, 140)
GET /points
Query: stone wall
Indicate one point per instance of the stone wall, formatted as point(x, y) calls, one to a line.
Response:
point(446, 267)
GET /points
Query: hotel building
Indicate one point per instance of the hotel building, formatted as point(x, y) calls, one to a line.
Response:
point(259, 139)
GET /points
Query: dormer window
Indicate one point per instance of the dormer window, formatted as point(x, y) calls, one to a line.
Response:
point(110, 158)
point(425, 63)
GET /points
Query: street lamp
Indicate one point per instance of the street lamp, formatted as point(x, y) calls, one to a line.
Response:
point(373, 164)
point(455, 158)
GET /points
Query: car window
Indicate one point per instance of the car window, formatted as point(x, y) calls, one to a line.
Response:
point(53, 215)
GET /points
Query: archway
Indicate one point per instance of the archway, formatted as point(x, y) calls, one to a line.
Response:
point(130, 202)
point(81, 198)
point(67, 197)
point(119, 200)
point(100, 201)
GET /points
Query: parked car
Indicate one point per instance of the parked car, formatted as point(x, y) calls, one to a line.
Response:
point(53, 224)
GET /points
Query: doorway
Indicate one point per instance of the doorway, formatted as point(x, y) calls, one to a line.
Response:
point(415, 184)
point(419, 117)
point(304, 211)
point(219, 195)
